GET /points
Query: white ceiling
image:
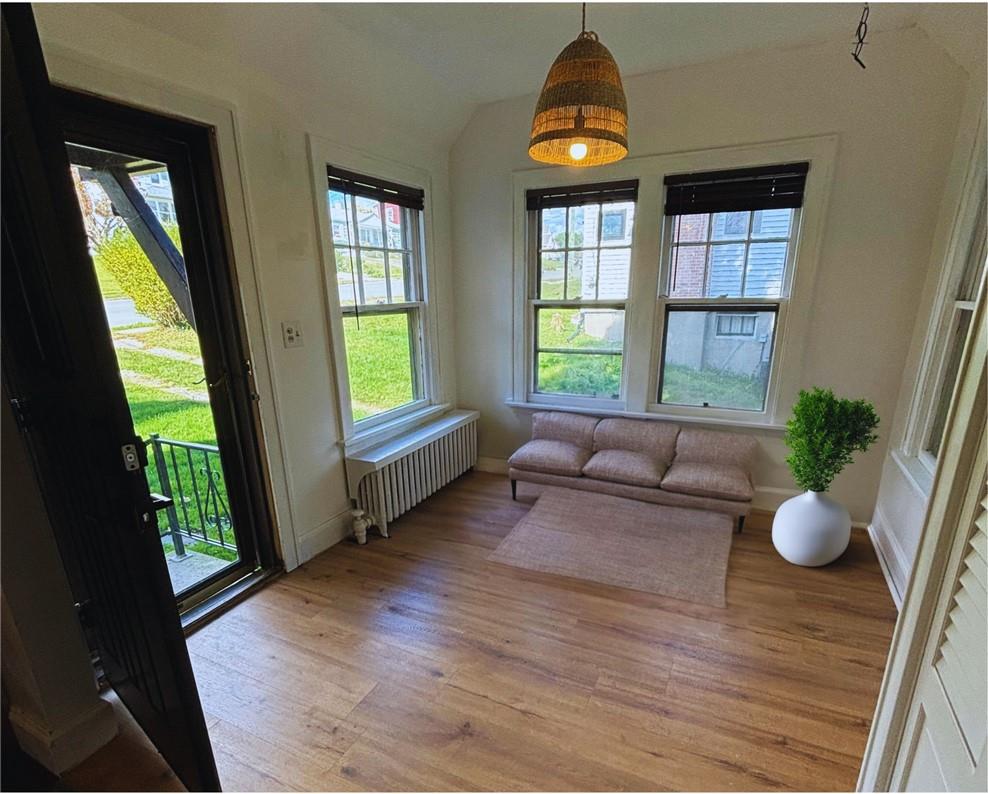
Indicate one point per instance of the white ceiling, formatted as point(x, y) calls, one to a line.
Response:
point(434, 63)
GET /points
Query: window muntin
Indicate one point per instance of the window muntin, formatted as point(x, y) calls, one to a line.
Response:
point(705, 368)
point(580, 279)
point(378, 266)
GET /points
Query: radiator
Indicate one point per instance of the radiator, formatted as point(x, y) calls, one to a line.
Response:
point(392, 478)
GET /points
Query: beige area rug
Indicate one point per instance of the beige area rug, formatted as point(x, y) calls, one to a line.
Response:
point(670, 551)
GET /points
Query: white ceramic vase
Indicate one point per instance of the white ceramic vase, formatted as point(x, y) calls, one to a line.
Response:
point(811, 529)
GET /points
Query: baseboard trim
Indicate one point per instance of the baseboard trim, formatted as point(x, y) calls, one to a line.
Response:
point(324, 536)
point(492, 465)
point(68, 745)
point(890, 557)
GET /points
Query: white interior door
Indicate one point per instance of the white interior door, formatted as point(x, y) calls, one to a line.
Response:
point(944, 739)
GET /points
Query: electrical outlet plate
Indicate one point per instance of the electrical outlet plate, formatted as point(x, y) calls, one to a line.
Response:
point(291, 333)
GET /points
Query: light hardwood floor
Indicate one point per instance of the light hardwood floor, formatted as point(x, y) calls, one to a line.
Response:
point(413, 663)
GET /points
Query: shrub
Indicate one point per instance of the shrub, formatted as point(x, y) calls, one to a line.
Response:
point(122, 257)
point(823, 432)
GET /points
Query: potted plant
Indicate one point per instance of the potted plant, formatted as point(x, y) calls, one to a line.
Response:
point(822, 435)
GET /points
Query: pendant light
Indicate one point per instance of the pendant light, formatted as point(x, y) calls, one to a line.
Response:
point(581, 117)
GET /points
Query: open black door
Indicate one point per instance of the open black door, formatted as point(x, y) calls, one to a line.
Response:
point(56, 356)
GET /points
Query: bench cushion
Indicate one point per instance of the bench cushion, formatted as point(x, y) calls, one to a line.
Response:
point(561, 426)
point(709, 479)
point(551, 457)
point(655, 439)
point(625, 466)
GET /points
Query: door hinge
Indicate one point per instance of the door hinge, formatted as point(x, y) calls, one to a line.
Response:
point(22, 412)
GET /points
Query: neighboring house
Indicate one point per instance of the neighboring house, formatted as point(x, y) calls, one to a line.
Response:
point(157, 191)
point(369, 230)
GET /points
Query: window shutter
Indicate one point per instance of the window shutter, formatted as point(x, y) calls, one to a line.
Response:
point(960, 659)
point(763, 188)
point(575, 195)
point(373, 188)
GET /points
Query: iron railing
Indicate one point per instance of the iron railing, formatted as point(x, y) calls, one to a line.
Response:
point(190, 475)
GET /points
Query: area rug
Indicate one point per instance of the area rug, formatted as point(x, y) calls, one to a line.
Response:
point(670, 551)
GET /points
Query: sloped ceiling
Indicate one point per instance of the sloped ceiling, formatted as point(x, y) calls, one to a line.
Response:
point(433, 64)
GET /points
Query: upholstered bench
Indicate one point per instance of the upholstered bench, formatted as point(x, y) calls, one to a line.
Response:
point(641, 459)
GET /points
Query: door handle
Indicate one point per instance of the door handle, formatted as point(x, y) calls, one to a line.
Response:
point(159, 502)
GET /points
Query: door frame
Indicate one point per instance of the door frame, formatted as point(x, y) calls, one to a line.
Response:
point(75, 71)
point(188, 149)
point(958, 464)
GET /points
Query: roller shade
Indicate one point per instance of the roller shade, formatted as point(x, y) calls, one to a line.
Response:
point(762, 188)
point(575, 195)
point(373, 188)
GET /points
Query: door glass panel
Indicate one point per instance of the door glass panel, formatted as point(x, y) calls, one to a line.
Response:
point(129, 213)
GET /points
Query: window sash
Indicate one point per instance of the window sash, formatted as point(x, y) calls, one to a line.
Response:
point(718, 307)
point(413, 313)
point(671, 248)
point(410, 234)
point(535, 303)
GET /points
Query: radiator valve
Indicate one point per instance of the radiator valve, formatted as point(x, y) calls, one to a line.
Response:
point(361, 523)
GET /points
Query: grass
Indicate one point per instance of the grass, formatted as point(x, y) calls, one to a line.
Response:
point(169, 415)
point(230, 555)
point(688, 386)
point(182, 340)
point(378, 362)
point(108, 285)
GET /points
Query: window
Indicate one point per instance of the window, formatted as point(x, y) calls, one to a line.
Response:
point(726, 275)
point(736, 324)
point(961, 311)
point(163, 210)
point(578, 276)
point(377, 247)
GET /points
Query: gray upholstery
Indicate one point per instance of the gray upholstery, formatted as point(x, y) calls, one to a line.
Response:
point(655, 439)
point(639, 459)
point(553, 457)
point(708, 446)
point(709, 479)
point(623, 465)
point(560, 426)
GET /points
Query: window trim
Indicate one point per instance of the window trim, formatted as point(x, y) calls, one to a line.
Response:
point(380, 427)
point(644, 308)
point(911, 453)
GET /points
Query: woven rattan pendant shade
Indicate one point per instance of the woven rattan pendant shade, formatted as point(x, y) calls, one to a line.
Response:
point(582, 101)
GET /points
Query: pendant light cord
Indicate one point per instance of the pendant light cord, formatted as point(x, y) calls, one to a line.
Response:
point(583, 21)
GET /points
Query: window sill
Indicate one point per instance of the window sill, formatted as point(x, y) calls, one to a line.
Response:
point(915, 473)
point(769, 427)
point(388, 430)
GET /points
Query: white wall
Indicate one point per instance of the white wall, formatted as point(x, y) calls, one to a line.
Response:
point(896, 122)
point(301, 426)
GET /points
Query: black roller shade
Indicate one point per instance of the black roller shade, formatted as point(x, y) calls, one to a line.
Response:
point(575, 195)
point(374, 188)
point(763, 188)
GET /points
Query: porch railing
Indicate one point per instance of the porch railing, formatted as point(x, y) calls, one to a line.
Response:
point(191, 476)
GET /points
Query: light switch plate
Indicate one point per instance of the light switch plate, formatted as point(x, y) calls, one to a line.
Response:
point(291, 333)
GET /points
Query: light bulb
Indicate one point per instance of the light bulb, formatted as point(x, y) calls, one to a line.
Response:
point(578, 151)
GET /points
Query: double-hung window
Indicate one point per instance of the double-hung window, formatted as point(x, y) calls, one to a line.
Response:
point(376, 229)
point(725, 283)
point(580, 243)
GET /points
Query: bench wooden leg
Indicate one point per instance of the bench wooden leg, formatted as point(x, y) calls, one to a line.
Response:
point(514, 490)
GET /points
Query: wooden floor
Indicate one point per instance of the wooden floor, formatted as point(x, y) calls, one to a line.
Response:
point(413, 663)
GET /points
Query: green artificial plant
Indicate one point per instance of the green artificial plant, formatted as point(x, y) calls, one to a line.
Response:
point(823, 433)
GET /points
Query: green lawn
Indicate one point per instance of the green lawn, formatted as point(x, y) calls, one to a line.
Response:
point(108, 285)
point(688, 386)
point(378, 362)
